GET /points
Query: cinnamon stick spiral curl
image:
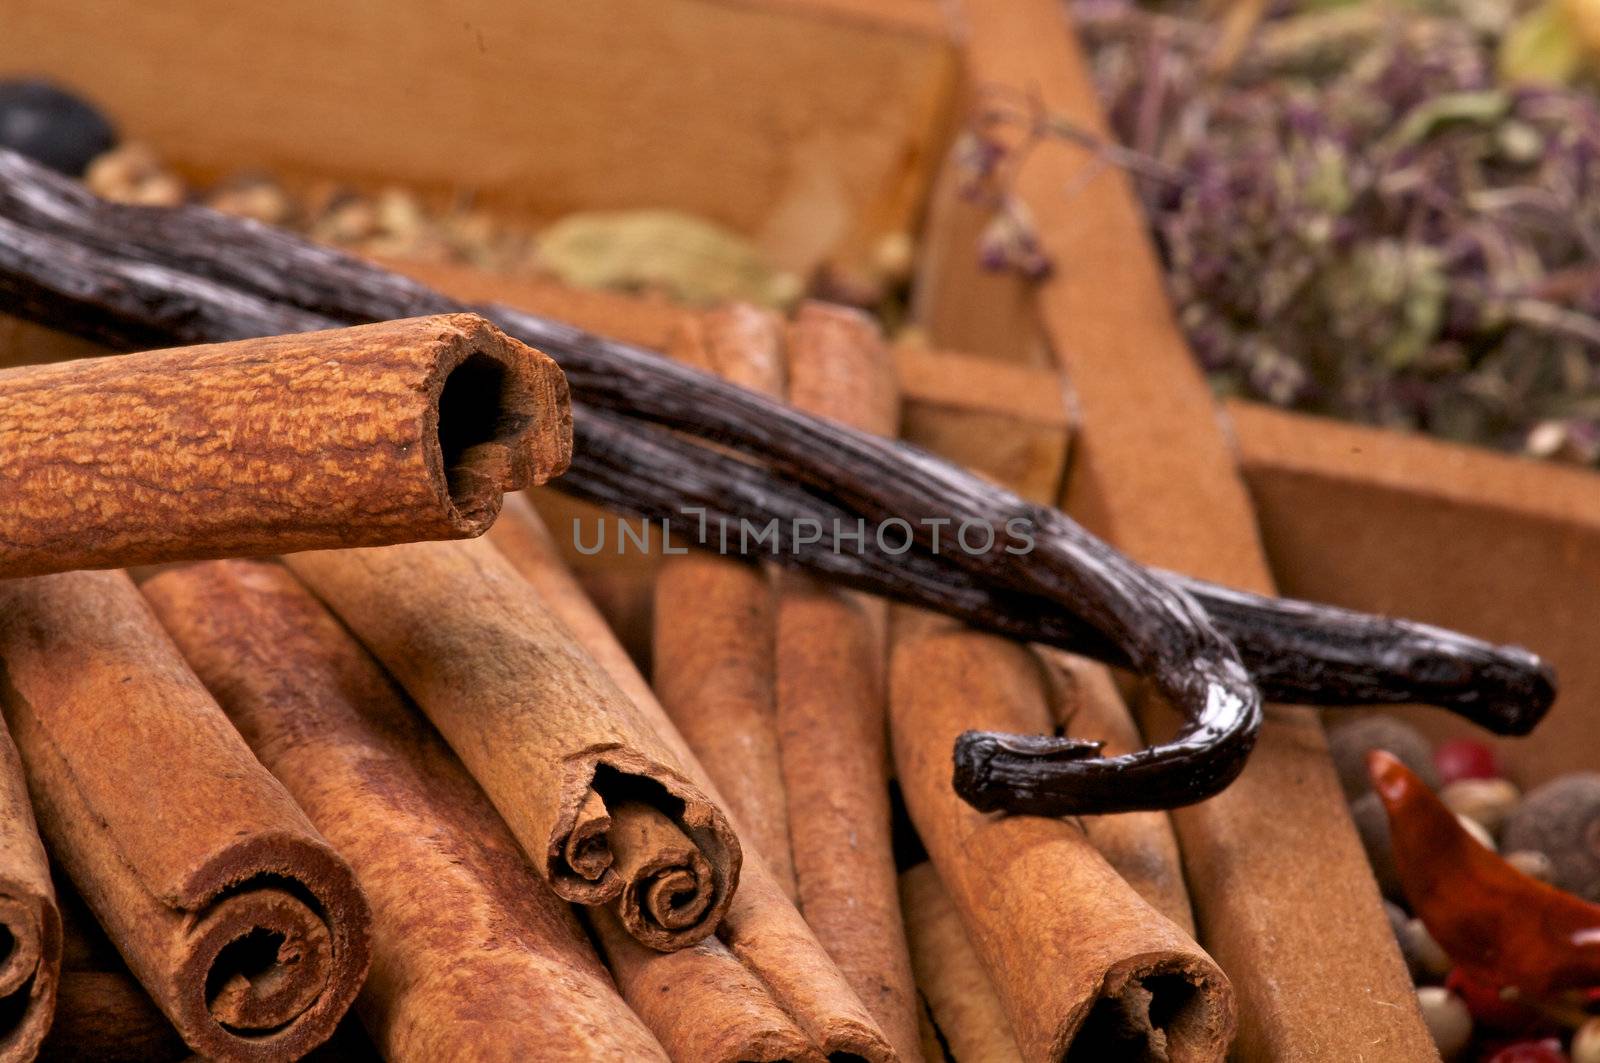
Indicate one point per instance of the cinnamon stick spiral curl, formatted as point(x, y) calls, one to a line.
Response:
point(243, 924)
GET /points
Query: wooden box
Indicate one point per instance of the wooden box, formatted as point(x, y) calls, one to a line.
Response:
point(817, 127)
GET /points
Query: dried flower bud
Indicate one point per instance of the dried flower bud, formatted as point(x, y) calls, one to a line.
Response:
point(133, 173)
point(1487, 802)
point(1448, 1020)
point(975, 157)
point(1429, 957)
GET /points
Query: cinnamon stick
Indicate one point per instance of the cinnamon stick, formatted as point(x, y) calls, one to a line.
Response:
point(714, 621)
point(104, 1017)
point(542, 730)
point(1079, 960)
point(382, 433)
point(123, 274)
point(102, 1014)
point(762, 929)
point(830, 705)
point(30, 961)
point(965, 1008)
point(473, 955)
point(242, 923)
point(701, 1001)
point(1085, 704)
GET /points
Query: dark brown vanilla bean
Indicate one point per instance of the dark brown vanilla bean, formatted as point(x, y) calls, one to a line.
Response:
point(1157, 626)
point(1297, 652)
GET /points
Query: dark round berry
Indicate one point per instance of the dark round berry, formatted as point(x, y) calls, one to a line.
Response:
point(52, 126)
point(1561, 819)
point(1372, 823)
point(1350, 742)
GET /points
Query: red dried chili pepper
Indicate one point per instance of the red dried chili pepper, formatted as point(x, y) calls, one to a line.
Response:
point(1500, 925)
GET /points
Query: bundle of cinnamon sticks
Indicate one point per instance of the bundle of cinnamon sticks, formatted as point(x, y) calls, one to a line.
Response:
point(293, 743)
point(424, 783)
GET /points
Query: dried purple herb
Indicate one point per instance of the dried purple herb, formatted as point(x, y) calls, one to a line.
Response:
point(1361, 218)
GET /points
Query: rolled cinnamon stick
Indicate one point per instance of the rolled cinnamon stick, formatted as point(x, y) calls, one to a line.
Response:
point(830, 705)
point(1080, 961)
point(701, 1001)
point(961, 999)
point(472, 955)
point(714, 621)
point(242, 923)
point(30, 920)
point(1141, 846)
point(762, 929)
point(105, 1017)
point(382, 433)
point(542, 729)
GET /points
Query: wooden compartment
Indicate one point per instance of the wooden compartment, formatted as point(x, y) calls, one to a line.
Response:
point(1505, 548)
point(1283, 896)
point(816, 127)
point(808, 126)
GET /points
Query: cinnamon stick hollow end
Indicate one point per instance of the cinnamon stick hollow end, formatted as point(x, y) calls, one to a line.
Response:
point(599, 804)
point(275, 950)
point(30, 920)
point(499, 419)
point(1157, 1007)
point(631, 832)
point(243, 924)
point(367, 436)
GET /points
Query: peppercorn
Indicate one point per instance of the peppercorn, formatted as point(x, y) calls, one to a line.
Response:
point(52, 126)
point(1561, 819)
point(1488, 802)
point(1397, 924)
point(1465, 758)
point(1372, 823)
point(1431, 962)
point(1351, 742)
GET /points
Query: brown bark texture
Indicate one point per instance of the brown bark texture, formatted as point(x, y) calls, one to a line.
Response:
point(30, 963)
point(242, 923)
point(961, 1000)
point(474, 958)
point(701, 1001)
point(1085, 703)
point(105, 1017)
point(1085, 968)
point(382, 433)
point(714, 619)
point(763, 930)
point(564, 755)
point(830, 705)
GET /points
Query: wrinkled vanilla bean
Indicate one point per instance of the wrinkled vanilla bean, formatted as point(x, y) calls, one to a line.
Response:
point(180, 257)
point(1297, 652)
